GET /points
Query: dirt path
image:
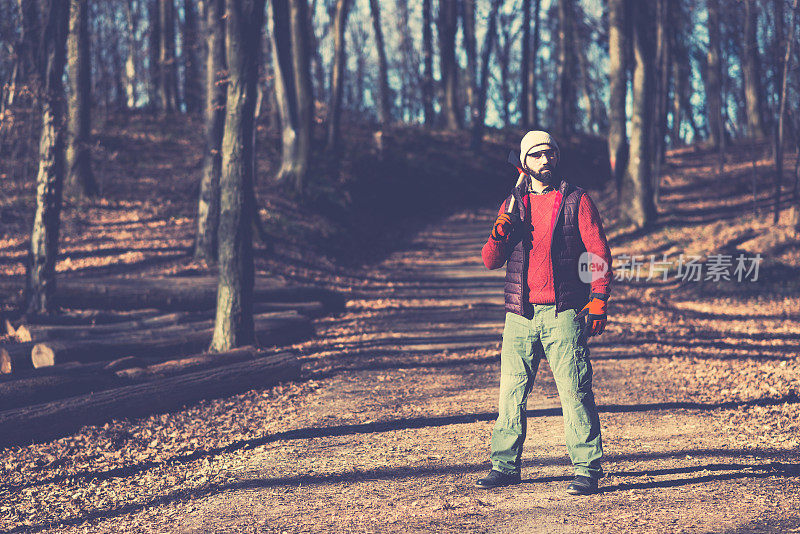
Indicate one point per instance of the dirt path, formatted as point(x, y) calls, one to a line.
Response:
point(391, 427)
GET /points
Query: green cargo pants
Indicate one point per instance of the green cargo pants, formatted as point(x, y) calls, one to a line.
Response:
point(559, 338)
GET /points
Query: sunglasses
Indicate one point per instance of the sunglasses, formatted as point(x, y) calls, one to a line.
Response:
point(550, 153)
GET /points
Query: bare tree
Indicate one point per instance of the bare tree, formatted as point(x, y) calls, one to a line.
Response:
point(131, 75)
point(337, 77)
point(192, 87)
point(80, 179)
point(565, 93)
point(427, 52)
point(50, 178)
point(618, 83)
point(583, 40)
point(293, 88)
point(317, 64)
point(26, 49)
point(154, 52)
point(410, 63)
point(636, 199)
point(505, 39)
point(483, 80)
point(663, 71)
point(233, 325)
point(448, 24)
point(681, 75)
point(166, 60)
point(751, 71)
point(385, 105)
point(778, 14)
point(778, 150)
point(525, 65)
point(714, 77)
point(471, 72)
point(532, 96)
point(530, 51)
point(206, 241)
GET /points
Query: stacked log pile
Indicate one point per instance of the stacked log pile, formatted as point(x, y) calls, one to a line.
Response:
point(141, 351)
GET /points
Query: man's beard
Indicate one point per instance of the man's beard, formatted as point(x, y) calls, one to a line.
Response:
point(545, 176)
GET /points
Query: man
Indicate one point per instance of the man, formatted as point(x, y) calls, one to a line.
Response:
point(548, 232)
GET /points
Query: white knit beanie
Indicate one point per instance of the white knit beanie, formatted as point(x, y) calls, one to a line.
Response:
point(537, 139)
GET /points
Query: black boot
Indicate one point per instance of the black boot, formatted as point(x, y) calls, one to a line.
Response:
point(496, 479)
point(582, 485)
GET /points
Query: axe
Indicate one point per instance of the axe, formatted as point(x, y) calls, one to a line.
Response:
point(513, 159)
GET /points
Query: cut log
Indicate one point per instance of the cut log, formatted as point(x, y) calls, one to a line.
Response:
point(38, 389)
point(41, 333)
point(70, 368)
point(89, 318)
point(15, 357)
point(270, 330)
point(190, 363)
point(178, 295)
point(52, 419)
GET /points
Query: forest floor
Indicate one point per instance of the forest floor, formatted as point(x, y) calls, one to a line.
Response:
point(697, 383)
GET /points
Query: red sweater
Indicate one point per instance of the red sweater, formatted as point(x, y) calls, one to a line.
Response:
point(540, 266)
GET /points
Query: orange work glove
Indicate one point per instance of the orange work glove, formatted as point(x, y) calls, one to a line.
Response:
point(502, 227)
point(595, 313)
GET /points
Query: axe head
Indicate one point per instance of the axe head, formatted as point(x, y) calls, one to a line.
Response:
point(513, 158)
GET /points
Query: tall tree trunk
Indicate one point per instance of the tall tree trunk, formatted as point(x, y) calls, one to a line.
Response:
point(583, 41)
point(292, 74)
point(120, 96)
point(636, 198)
point(483, 81)
point(533, 87)
point(26, 49)
point(427, 52)
point(317, 64)
point(525, 66)
point(273, 118)
point(661, 103)
point(192, 87)
point(337, 77)
point(751, 71)
point(410, 66)
point(663, 65)
point(468, 25)
point(565, 71)
point(678, 60)
point(777, 50)
point(80, 180)
point(50, 178)
point(166, 58)
point(131, 77)
point(618, 85)
point(234, 318)
point(448, 23)
point(305, 95)
point(206, 242)
point(154, 53)
point(778, 152)
point(504, 59)
point(361, 68)
point(385, 105)
point(714, 77)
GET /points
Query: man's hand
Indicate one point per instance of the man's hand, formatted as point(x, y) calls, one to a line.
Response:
point(502, 227)
point(595, 313)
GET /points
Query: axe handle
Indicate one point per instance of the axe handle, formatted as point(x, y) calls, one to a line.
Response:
point(513, 200)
